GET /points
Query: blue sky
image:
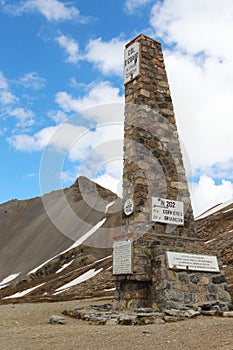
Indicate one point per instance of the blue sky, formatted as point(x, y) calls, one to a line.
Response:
point(62, 60)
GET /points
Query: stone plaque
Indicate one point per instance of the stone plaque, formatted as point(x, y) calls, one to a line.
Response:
point(128, 207)
point(122, 257)
point(131, 62)
point(195, 262)
point(167, 211)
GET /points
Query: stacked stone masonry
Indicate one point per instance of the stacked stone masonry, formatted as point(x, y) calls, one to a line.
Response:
point(153, 167)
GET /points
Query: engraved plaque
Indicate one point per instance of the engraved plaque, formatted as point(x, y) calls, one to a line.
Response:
point(122, 257)
point(195, 262)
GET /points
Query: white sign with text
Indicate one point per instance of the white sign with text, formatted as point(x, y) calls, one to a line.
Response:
point(122, 257)
point(131, 62)
point(195, 262)
point(167, 211)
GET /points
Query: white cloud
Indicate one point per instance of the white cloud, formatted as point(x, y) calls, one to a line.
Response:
point(99, 94)
point(61, 137)
point(67, 177)
point(32, 80)
point(200, 75)
point(71, 48)
point(201, 79)
point(53, 10)
point(202, 108)
point(109, 182)
point(101, 145)
point(195, 25)
point(57, 116)
point(7, 98)
point(132, 5)
point(206, 193)
point(24, 117)
point(106, 56)
point(3, 82)
point(95, 153)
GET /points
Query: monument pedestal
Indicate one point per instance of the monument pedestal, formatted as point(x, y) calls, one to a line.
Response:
point(153, 283)
point(158, 263)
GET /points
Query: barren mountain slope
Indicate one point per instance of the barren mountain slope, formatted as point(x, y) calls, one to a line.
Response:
point(215, 226)
point(57, 266)
point(29, 239)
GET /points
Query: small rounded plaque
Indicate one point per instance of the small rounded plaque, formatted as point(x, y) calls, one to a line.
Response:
point(128, 207)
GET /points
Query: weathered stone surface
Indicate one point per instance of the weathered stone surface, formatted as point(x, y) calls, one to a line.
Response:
point(227, 314)
point(190, 313)
point(56, 319)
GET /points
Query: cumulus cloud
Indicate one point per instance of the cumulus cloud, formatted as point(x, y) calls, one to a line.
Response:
point(109, 182)
point(95, 153)
point(52, 10)
point(57, 116)
point(6, 96)
point(206, 193)
point(132, 5)
point(3, 82)
point(32, 80)
point(106, 56)
point(25, 117)
point(71, 48)
point(61, 137)
point(200, 76)
point(195, 25)
point(98, 94)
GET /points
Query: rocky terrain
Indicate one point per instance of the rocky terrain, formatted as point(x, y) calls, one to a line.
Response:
point(39, 263)
point(27, 326)
point(215, 227)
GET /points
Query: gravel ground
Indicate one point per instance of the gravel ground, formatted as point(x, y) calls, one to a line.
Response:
point(25, 327)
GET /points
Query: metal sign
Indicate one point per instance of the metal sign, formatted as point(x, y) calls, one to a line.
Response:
point(167, 211)
point(193, 262)
point(131, 62)
point(122, 257)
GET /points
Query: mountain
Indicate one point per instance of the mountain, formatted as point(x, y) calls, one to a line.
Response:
point(38, 262)
point(215, 227)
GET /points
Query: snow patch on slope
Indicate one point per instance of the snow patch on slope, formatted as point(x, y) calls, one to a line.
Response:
point(84, 277)
point(215, 209)
point(108, 206)
point(24, 292)
point(64, 266)
point(87, 235)
point(6, 281)
point(76, 244)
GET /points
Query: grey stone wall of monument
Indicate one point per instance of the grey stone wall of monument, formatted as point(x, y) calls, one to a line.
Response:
point(153, 174)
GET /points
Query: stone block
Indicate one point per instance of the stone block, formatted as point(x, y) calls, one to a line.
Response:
point(219, 279)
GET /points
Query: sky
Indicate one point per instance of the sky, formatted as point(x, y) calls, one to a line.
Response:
point(62, 91)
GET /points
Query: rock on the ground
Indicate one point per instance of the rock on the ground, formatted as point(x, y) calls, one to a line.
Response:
point(56, 319)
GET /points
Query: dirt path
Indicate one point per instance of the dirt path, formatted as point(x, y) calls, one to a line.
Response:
point(25, 327)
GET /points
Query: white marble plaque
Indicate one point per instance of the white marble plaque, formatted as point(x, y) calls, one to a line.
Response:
point(195, 262)
point(131, 62)
point(122, 257)
point(167, 211)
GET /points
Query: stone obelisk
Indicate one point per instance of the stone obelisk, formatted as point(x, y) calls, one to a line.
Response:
point(157, 259)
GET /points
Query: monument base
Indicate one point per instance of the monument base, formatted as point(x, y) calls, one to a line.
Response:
point(155, 284)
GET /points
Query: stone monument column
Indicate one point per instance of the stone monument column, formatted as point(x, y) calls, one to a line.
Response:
point(157, 260)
